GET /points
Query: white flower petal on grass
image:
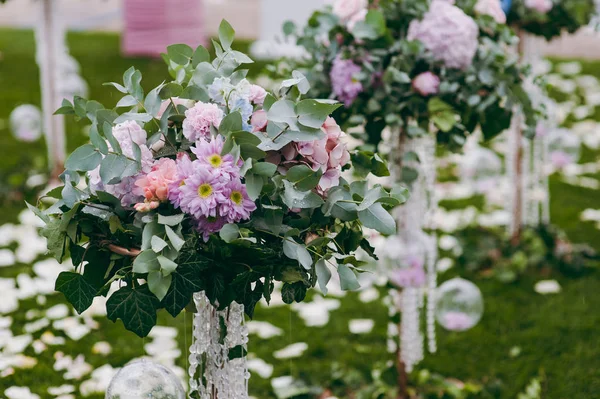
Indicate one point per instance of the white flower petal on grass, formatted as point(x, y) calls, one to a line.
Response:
point(99, 381)
point(59, 311)
point(368, 295)
point(38, 346)
point(20, 393)
point(263, 329)
point(36, 325)
point(61, 390)
point(50, 339)
point(361, 326)
point(102, 348)
point(260, 367)
point(316, 313)
point(547, 287)
point(590, 215)
point(75, 369)
point(18, 344)
point(291, 351)
point(569, 68)
point(162, 331)
point(444, 264)
point(7, 258)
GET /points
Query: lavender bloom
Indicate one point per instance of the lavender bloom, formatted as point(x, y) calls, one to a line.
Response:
point(202, 192)
point(343, 80)
point(209, 155)
point(237, 206)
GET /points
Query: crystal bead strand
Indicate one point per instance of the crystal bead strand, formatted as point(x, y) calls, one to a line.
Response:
point(410, 334)
point(212, 374)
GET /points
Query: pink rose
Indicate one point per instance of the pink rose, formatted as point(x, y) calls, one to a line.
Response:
point(541, 6)
point(154, 186)
point(492, 8)
point(426, 84)
point(346, 9)
point(259, 121)
point(257, 95)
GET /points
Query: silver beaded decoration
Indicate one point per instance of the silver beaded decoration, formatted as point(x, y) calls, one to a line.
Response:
point(215, 333)
point(412, 218)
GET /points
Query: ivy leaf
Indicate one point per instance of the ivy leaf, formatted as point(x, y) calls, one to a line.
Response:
point(376, 217)
point(293, 292)
point(136, 308)
point(78, 291)
point(185, 281)
point(84, 158)
point(348, 280)
point(296, 251)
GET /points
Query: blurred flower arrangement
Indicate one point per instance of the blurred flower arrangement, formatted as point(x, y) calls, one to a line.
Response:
point(544, 248)
point(550, 18)
point(208, 183)
point(414, 65)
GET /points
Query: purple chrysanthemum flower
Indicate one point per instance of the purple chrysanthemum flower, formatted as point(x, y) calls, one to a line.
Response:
point(208, 225)
point(201, 192)
point(344, 83)
point(209, 155)
point(185, 169)
point(237, 205)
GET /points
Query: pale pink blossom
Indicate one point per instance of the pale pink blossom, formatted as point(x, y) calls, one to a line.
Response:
point(541, 6)
point(259, 121)
point(493, 8)
point(257, 95)
point(346, 9)
point(199, 119)
point(426, 84)
point(154, 186)
point(356, 18)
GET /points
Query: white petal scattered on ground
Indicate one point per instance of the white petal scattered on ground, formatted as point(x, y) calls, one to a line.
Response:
point(50, 339)
point(20, 393)
point(75, 369)
point(569, 68)
point(547, 287)
point(18, 344)
point(361, 326)
point(38, 346)
point(260, 367)
point(36, 325)
point(98, 383)
point(33, 314)
point(590, 215)
point(61, 390)
point(316, 313)
point(102, 348)
point(447, 242)
point(7, 258)
point(291, 351)
point(582, 112)
point(263, 329)
point(10, 301)
point(41, 300)
point(6, 371)
point(36, 180)
point(444, 264)
point(5, 322)
point(163, 332)
point(57, 311)
point(72, 327)
point(368, 295)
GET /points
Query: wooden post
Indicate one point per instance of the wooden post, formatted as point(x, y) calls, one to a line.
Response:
point(401, 369)
point(47, 38)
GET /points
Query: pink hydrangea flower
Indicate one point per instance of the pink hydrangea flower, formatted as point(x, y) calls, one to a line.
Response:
point(199, 119)
point(154, 186)
point(492, 8)
point(237, 205)
point(259, 121)
point(257, 95)
point(541, 6)
point(209, 155)
point(426, 84)
point(346, 9)
point(449, 34)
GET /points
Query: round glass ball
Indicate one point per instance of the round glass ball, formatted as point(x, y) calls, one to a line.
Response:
point(144, 379)
point(459, 305)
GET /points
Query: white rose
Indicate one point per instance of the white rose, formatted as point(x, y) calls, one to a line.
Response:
point(345, 9)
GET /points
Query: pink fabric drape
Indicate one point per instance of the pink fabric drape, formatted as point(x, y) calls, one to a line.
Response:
point(152, 25)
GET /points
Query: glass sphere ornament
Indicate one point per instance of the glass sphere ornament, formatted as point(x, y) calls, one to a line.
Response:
point(144, 379)
point(564, 147)
point(26, 122)
point(459, 305)
point(482, 168)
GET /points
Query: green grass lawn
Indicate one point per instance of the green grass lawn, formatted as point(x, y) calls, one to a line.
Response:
point(557, 335)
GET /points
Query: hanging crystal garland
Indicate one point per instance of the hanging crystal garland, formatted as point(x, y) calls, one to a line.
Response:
point(418, 250)
point(217, 359)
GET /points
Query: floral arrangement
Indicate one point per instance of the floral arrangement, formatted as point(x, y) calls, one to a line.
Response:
point(550, 18)
point(411, 65)
point(544, 248)
point(209, 183)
